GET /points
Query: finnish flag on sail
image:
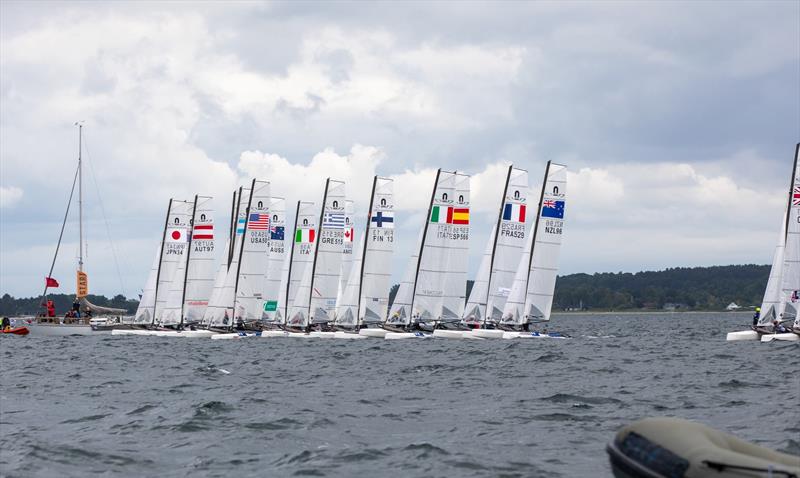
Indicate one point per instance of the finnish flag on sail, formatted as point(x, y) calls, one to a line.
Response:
point(384, 219)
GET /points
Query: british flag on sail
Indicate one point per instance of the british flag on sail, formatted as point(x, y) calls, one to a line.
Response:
point(796, 196)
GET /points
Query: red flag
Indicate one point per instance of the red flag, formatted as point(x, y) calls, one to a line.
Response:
point(50, 282)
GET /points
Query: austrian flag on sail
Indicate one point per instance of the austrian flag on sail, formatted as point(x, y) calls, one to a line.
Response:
point(304, 236)
point(203, 232)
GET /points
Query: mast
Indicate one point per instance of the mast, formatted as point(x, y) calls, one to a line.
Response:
point(241, 247)
point(160, 257)
point(364, 250)
point(422, 243)
point(291, 258)
point(188, 256)
point(80, 197)
point(791, 192)
point(533, 236)
point(232, 230)
point(316, 247)
point(494, 245)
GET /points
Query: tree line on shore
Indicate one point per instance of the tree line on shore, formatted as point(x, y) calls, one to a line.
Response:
point(679, 288)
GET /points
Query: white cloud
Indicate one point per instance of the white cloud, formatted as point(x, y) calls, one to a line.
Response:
point(9, 196)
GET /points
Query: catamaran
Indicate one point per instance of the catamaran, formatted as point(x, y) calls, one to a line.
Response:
point(782, 295)
point(531, 297)
point(365, 297)
point(432, 294)
point(315, 298)
point(84, 315)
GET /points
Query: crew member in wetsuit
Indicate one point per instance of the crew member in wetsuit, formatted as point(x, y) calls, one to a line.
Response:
point(76, 306)
point(778, 327)
point(756, 316)
point(6, 324)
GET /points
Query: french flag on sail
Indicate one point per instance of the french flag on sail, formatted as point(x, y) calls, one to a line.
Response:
point(514, 212)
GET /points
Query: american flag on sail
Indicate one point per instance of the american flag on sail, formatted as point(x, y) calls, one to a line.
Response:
point(258, 222)
point(796, 196)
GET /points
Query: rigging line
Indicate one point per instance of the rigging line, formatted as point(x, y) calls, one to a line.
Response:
point(103, 212)
point(61, 234)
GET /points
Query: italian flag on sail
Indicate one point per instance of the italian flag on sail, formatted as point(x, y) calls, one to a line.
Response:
point(442, 215)
point(304, 235)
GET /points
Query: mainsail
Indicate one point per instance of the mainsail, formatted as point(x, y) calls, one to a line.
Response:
point(173, 251)
point(253, 255)
point(791, 254)
point(277, 256)
point(221, 315)
point(366, 295)
point(327, 263)
point(771, 304)
point(531, 296)
point(503, 251)
point(347, 250)
point(300, 259)
point(200, 262)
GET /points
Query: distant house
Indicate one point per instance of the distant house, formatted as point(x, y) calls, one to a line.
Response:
point(674, 306)
point(732, 306)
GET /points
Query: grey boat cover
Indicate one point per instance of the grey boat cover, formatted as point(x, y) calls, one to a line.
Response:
point(98, 310)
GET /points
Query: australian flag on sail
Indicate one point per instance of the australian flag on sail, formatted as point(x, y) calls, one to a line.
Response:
point(333, 220)
point(276, 233)
point(258, 222)
point(554, 209)
point(383, 219)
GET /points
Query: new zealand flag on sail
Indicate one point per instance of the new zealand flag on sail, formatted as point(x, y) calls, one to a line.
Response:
point(276, 233)
point(554, 209)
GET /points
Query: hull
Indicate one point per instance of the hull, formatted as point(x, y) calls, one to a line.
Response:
point(348, 336)
point(373, 332)
point(235, 335)
point(487, 333)
point(406, 335)
point(532, 335)
point(741, 335)
point(788, 337)
point(449, 334)
point(322, 335)
point(61, 330)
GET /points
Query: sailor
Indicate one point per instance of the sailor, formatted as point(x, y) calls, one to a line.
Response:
point(778, 327)
point(6, 324)
point(51, 309)
point(756, 316)
point(76, 306)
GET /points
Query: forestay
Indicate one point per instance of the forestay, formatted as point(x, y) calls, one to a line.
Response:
point(531, 296)
point(253, 255)
point(277, 258)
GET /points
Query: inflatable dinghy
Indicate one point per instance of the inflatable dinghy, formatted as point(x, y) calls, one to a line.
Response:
point(675, 448)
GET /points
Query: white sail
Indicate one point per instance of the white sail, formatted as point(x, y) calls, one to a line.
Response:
point(222, 315)
point(431, 275)
point(173, 251)
point(147, 302)
point(771, 303)
point(277, 257)
point(455, 273)
point(301, 258)
point(200, 262)
point(400, 313)
point(503, 251)
point(347, 250)
point(378, 254)
point(215, 306)
point(791, 255)
point(541, 253)
point(347, 300)
point(328, 261)
point(171, 313)
point(254, 254)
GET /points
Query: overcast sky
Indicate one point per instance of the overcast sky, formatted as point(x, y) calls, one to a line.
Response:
point(677, 120)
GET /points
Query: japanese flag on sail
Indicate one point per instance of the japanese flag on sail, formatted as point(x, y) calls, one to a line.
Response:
point(175, 234)
point(514, 212)
point(304, 236)
point(348, 234)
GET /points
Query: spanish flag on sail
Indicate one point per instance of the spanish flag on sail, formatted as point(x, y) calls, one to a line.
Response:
point(460, 215)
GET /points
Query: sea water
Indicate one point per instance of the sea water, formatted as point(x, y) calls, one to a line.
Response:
point(149, 406)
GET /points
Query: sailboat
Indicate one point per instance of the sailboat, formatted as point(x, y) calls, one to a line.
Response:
point(432, 294)
point(365, 298)
point(782, 295)
point(84, 314)
point(240, 300)
point(531, 297)
point(315, 299)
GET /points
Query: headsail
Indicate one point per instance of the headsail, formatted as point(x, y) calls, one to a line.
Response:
point(215, 306)
point(348, 256)
point(222, 315)
point(400, 312)
point(531, 297)
point(771, 303)
point(277, 257)
point(147, 302)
